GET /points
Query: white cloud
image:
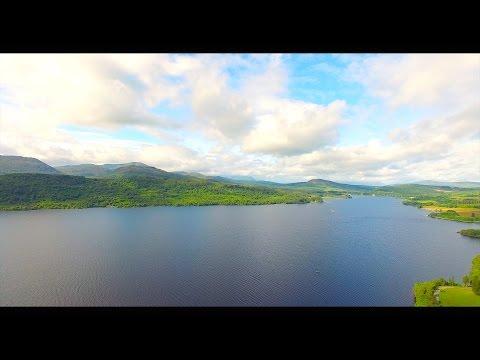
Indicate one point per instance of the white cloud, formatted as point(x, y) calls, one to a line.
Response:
point(242, 106)
point(291, 127)
point(442, 80)
point(270, 79)
point(59, 147)
point(217, 106)
point(224, 110)
point(94, 90)
point(441, 147)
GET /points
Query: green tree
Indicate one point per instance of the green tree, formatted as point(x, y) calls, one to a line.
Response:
point(475, 275)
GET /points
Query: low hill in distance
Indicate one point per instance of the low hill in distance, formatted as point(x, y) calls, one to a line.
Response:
point(88, 170)
point(20, 164)
point(203, 176)
point(414, 189)
point(330, 188)
point(92, 170)
point(242, 178)
point(336, 185)
point(458, 184)
point(142, 170)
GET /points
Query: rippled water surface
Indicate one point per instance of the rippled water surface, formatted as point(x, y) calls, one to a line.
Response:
point(363, 251)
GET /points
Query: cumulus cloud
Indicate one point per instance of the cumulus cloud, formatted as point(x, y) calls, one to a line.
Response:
point(94, 90)
point(292, 127)
point(420, 79)
point(440, 146)
point(219, 107)
point(225, 110)
point(241, 115)
point(60, 147)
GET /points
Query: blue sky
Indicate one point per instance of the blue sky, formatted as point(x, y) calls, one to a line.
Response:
point(363, 118)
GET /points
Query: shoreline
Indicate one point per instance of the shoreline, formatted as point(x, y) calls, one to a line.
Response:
point(432, 211)
point(153, 206)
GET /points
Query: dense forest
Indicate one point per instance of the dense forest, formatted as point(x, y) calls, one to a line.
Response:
point(37, 191)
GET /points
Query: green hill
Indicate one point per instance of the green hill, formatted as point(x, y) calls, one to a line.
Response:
point(89, 170)
point(92, 170)
point(413, 189)
point(214, 177)
point(134, 170)
point(129, 188)
point(330, 188)
point(458, 184)
point(336, 185)
point(20, 164)
point(192, 173)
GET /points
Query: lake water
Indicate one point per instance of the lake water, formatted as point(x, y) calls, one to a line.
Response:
point(365, 251)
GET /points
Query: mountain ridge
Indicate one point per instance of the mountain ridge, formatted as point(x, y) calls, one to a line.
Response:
point(19, 164)
point(10, 164)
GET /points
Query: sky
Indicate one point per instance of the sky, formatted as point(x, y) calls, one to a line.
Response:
point(356, 118)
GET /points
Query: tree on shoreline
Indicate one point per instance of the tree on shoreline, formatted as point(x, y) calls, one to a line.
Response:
point(475, 275)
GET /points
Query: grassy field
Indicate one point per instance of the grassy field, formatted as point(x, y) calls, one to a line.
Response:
point(458, 296)
point(454, 215)
point(441, 292)
point(447, 203)
point(462, 211)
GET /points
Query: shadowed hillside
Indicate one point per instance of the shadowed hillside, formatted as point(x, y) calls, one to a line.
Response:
point(20, 164)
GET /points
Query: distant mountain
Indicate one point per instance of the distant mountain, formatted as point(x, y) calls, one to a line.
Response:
point(20, 164)
point(260, 183)
point(205, 177)
point(92, 170)
point(142, 170)
point(339, 185)
point(88, 170)
point(27, 183)
point(195, 174)
point(188, 173)
point(241, 178)
point(116, 166)
point(329, 186)
point(459, 184)
point(318, 185)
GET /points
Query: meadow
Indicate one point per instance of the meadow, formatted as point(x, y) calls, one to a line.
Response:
point(442, 292)
point(458, 296)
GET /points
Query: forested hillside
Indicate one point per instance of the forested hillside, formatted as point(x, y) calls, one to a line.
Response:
point(36, 191)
